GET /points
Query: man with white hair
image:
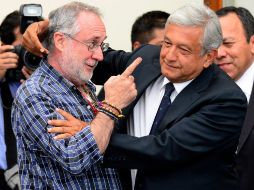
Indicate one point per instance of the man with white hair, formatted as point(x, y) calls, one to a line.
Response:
point(187, 118)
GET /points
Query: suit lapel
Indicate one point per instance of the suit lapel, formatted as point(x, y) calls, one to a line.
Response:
point(248, 123)
point(175, 111)
point(187, 97)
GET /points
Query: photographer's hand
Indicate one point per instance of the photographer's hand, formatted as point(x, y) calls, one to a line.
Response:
point(26, 72)
point(31, 37)
point(8, 60)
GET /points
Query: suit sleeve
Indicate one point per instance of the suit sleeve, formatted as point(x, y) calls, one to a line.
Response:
point(211, 128)
point(115, 62)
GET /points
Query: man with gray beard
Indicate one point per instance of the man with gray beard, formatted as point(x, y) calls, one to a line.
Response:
point(75, 41)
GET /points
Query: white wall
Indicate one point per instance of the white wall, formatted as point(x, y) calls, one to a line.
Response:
point(119, 15)
point(249, 4)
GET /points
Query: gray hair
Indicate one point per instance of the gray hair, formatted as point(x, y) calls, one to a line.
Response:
point(64, 19)
point(200, 16)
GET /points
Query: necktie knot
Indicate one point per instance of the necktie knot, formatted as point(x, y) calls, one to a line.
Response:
point(169, 88)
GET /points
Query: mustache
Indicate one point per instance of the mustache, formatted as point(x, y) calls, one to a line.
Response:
point(91, 64)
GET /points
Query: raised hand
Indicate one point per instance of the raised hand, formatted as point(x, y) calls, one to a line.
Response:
point(121, 90)
point(31, 38)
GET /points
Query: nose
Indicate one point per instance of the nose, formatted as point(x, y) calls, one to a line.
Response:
point(171, 53)
point(98, 54)
point(221, 52)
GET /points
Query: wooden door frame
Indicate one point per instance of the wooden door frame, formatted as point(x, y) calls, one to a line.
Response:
point(214, 4)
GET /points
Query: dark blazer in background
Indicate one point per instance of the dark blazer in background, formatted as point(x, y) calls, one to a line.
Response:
point(194, 146)
point(10, 140)
point(245, 153)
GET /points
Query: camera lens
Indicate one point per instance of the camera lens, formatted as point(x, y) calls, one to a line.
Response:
point(31, 61)
point(25, 59)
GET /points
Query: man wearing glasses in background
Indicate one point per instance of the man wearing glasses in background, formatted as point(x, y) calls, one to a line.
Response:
point(75, 42)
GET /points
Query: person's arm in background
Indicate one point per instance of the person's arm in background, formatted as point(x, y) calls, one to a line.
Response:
point(32, 36)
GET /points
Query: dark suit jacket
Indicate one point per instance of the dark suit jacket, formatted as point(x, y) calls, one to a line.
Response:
point(10, 140)
point(245, 153)
point(194, 146)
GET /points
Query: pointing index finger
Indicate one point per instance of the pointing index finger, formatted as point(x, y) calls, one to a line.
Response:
point(129, 70)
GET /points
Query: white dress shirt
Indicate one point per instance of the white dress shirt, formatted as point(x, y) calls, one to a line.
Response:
point(146, 108)
point(245, 82)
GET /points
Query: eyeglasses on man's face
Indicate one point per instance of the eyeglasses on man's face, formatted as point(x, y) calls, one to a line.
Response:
point(91, 46)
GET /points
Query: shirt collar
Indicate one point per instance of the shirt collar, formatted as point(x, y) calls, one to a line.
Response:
point(178, 86)
point(245, 82)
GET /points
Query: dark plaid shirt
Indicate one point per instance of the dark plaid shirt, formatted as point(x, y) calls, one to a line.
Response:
point(45, 163)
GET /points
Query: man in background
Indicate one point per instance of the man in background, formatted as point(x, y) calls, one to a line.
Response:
point(149, 28)
point(236, 57)
point(9, 61)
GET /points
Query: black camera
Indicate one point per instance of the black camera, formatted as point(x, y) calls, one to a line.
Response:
point(25, 59)
point(29, 13)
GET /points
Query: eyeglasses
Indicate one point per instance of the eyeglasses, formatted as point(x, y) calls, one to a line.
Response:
point(91, 46)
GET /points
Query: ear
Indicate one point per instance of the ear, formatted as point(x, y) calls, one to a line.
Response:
point(209, 57)
point(59, 40)
point(16, 31)
point(251, 43)
point(136, 45)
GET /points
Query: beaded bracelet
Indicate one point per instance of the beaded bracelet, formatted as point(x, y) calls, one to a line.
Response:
point(110, 105)
point(112, 116)
point(109, 109)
